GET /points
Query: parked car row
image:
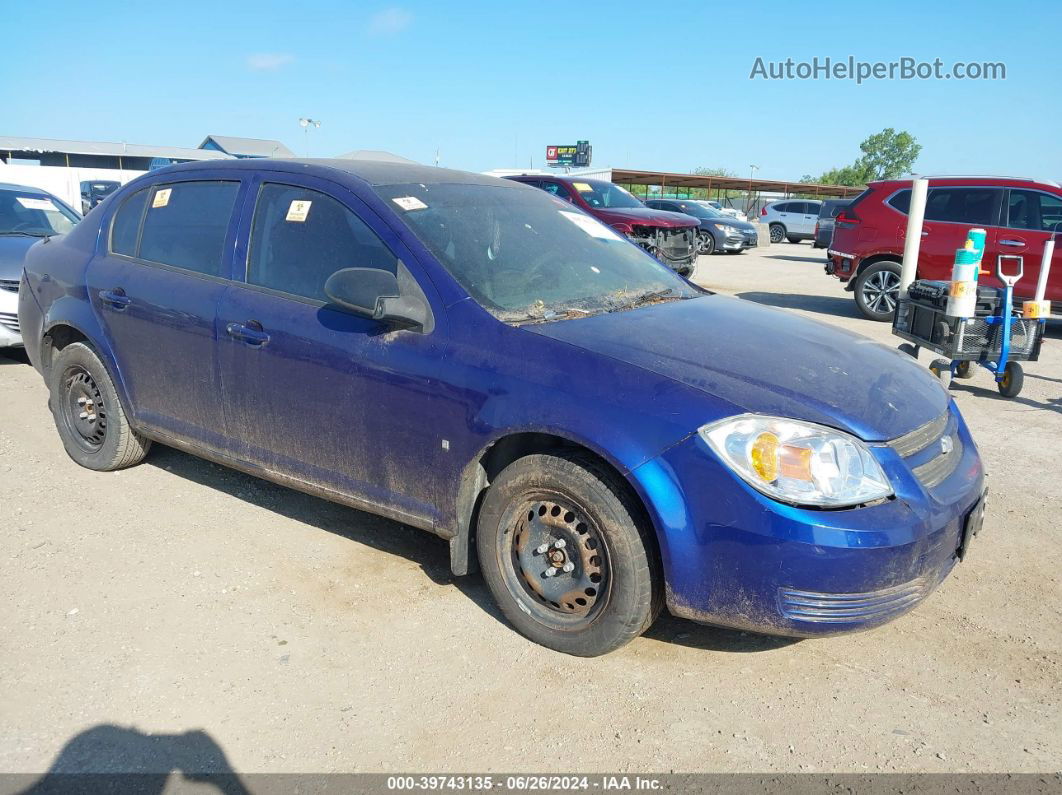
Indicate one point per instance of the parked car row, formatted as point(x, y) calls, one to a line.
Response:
point(1020, 215)
point(472, 357)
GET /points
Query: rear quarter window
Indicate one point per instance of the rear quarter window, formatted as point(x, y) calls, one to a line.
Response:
point(126, 225)
point(186, 223)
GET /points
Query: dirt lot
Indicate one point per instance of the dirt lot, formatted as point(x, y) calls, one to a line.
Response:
point(180, 614)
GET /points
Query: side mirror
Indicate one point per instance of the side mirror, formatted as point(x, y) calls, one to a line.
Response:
point(375, 293)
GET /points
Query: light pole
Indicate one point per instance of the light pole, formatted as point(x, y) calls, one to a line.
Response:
point(752, 170)
point(306, 123)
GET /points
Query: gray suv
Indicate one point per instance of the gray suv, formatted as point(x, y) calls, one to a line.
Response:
point(824, 227)
point(791, 219)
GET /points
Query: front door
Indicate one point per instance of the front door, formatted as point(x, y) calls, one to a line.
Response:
point(155, 288)
point(313, 392)
point(1030, 218)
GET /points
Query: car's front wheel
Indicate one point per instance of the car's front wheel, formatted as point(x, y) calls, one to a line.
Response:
point(564, 552)
point(91, 420)
point(877, 289)
point(705, 243)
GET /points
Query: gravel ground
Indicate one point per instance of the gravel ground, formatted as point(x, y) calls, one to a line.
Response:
point(179, 614)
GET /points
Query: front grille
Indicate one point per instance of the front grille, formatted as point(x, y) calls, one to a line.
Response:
point(11, 285)
point(9, 320)
point(948, 449)
point(843, 608)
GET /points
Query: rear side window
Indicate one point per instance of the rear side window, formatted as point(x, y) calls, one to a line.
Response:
point(783, 207)
point(901, 201)
point(1031, 209)
point(186, 225)
point(300, 237)
point(964, 205)
point(126, 225)
point(557, 190)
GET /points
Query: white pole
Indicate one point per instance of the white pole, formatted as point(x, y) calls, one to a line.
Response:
point(915, 215)
point(1045, 268)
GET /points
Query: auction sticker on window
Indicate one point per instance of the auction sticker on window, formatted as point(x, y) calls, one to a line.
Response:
point(162, 197)
point(583, 187)
point(590, 226)
point(298, 210)
point(408, 203)
point(36, 204)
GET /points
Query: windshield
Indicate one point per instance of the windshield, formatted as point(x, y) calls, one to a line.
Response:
point(602, 195)
point(33, 214)
point(525, 255)
point(708, 208)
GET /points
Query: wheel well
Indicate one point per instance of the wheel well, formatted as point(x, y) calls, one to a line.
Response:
point(57, 338)
point(481, 473)
point(864, 264)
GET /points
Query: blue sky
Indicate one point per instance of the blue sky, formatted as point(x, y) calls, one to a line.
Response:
point(490, 84)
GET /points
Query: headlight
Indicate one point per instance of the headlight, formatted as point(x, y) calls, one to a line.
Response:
point(798, 462)
point(727, 229)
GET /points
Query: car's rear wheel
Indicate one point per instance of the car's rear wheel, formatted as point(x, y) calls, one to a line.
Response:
point(91, 420)
point(777, 233)
point(792, 239)
point(705, 243)
point(877, 289)
point(563, 550)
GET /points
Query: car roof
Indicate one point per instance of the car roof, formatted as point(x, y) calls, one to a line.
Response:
point(959, 180)
point(373, 172)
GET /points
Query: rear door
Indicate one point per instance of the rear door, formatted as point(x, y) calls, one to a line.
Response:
point(313, 392)
point(950, 214)
point(1030, 218)
point(155, 288)
point(809, 217)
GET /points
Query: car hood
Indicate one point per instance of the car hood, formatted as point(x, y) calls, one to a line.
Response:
point(645, 215)
point(766, 361)
point(13, 250)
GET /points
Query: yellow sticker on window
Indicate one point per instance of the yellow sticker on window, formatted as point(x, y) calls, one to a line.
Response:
point(162, 197)
point(583, 187)
point(298, 210)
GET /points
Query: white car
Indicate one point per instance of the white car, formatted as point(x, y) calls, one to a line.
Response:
point(724, 210)
point(791, 219)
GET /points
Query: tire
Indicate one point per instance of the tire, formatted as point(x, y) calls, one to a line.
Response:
point(777, 233)
point(595, 592)
point(792, 239)
point(1013, 380)
point(88, 414)
point(941, 368)
point(705, 243)
point(964, 369)
point(876, 290)
point(908, 348)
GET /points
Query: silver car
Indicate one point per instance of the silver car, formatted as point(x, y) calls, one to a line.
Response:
point(791, 219)
point(26, 215)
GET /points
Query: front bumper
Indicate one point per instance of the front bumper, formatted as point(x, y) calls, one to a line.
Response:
point(734, 557)
point(739, 242)
point(10, 333)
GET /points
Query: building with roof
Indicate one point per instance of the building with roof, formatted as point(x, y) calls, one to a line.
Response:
point(245, 147)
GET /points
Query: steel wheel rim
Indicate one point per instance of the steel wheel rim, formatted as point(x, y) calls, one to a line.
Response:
point(881, 291)
point(551, 533)
point(83, 409)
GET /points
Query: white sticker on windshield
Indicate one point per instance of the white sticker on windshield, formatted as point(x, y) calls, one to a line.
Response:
point(37, 204)
point(298, 210)
point(590, 226)
point(408, 203)
point(162, 197)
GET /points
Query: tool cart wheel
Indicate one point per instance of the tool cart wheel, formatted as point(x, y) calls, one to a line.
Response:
point(1011, 382)
point(941, 368)
point(964, 370)
point(909, 349)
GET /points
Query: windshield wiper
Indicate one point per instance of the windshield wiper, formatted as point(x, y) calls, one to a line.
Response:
point(650, 297)
point(549, 314)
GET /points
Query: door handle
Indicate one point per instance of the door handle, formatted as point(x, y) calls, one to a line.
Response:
point(116, 298)
point(1015, 243)
point(247, 332)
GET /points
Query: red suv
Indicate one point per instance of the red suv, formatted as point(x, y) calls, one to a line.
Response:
point(670, 237)
point(1020, 215)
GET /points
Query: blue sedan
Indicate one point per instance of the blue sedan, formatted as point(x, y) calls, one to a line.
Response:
point(476, 358)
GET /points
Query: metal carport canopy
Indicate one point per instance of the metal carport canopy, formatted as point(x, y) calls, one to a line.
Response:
point(624, 176)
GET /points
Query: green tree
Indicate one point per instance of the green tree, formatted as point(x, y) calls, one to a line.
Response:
point(886, 155)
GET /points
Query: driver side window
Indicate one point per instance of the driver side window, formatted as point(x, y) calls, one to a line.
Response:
point(300, 237)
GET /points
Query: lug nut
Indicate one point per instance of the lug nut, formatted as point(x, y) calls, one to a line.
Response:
point(551, 571)
point(81, 401)
point(83, 415)
point(542, 549)
point(561, 543)
point(569, 566)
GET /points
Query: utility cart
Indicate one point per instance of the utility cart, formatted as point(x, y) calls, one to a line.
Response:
point(997, 337)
